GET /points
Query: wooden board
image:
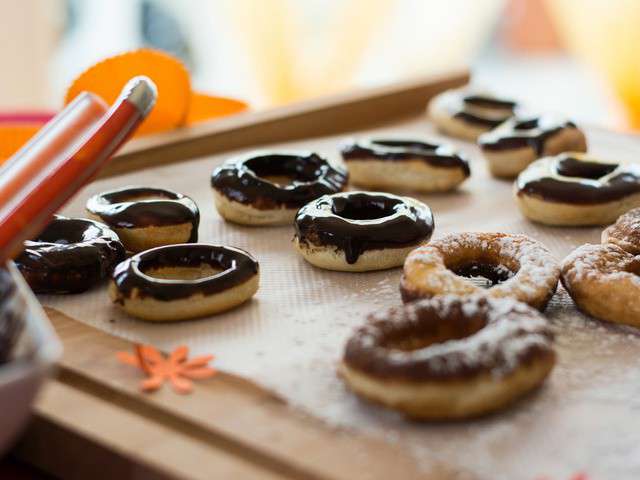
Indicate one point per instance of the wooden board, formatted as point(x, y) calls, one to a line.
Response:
point(91, 421)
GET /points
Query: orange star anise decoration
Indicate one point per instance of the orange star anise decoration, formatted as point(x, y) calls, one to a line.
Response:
point(174, 368)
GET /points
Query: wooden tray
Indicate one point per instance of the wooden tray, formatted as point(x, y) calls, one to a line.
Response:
point(92, 422)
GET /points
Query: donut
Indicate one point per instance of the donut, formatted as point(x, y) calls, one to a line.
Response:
point(179, 282)
point(394, 164)
point(71, 255)
point(267, 188)
point(361, 231)
point(515, 265)
point(467, 113)
point(449, 357)
point(603, 282)
point(573, 189)
point(520, 140)
point(145, 217)
point(625, 233)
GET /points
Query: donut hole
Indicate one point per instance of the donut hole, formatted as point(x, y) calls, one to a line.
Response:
point(183, 272)
point(430, 333)
point(483, 274)
point(138, 194)
point(66, 231)
point(407, 144)
point(574, 167)
point(284, 170)
point(528, 124)
point(363, 207)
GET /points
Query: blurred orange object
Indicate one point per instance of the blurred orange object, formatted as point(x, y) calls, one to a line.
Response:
point(177, 105)
point(529, 27)
point(13, 136)
point(206, 107)
point(606, 35)
point(108, 77)
point(18, 127)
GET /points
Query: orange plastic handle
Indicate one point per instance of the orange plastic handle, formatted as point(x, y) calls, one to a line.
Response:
point(55, 165)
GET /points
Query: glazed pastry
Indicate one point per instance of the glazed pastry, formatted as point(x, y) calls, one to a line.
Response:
point(449, 357)
point(361, 231)
point(519, 141)
point(265, 188)
point(145, 217)
point(573, 189)
point(603, 282)
point(517, 267)
point(178, 282)
point(625, 233)
point(394, 164)
point(466, 113)
point(70, 256)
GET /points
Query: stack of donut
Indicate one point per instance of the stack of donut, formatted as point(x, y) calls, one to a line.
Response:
point(470, 337)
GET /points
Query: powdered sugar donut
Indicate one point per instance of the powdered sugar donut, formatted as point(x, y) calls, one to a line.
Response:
point(466, 113)
point(449, 357)
point(516, 265)
point(625, 233)
point(520, 140)
point(603, 282)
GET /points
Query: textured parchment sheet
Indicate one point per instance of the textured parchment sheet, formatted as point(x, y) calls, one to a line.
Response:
point(289, 338)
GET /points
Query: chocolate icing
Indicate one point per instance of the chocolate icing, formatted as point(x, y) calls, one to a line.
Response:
point(359, 221)
point(238, 266)
point(449, 338)
point(441, 156)
point(485, 110)
point(568, 178)
point(70, 256)
point(242, 179)
point(11, 316)
point(130, 207)
point(521, 132)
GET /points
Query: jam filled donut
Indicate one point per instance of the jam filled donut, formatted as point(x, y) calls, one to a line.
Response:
point(517, 267)
point(405, 165)
point(625, 233)
point(178, 282)
point(70, 256)
point(449, 357)
point(519, 141)
point(264, 188)
point(603, 282)
point(464, 113)
point(572, 189)
point(361, 231)
point(146, 217)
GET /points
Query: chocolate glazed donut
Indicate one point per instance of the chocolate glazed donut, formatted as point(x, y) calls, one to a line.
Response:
point(573, 189)
point(467, 113)
point(70, 256)
point(519, 141)
point(145, 217)
point(268, 188)
point(405, 164)
point(449, 357)
point(361, 231)
point(177, 282)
